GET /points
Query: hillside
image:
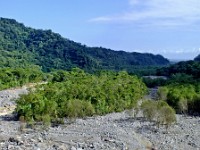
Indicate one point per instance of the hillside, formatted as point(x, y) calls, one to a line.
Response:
point(21, 46)
point(191, 68)
point(197, 58)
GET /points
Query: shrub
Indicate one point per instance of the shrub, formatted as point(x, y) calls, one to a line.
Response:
point(149, 109)
point(46, 119)
point(183, 98)
point(166, 116)
point(158, 111)
point(162, 93)
point(79, 94)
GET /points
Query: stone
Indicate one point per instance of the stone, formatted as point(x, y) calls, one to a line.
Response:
point(40, 139)
point(73, 148)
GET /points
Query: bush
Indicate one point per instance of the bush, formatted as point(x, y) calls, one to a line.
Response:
point(158, 111)
point(162, 93)
point(183, 97)
point(12, 77)
point(79, 94)
point(167, 116)
point(149, 110)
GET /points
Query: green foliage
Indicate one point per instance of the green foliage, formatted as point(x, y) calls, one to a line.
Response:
point(181, 78)
point(183, 97)
point(145, 70)
point(77, 108)
point(22, 46)
point(154, 82)
point(162, 93)
point(184, 71)
point(149, 109)
point(166, 115)
point(78, 94)
point(182, 88)
point(46, 120)
point(158, 111)
point(12, 77)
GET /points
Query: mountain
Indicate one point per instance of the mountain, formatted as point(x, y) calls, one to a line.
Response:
point(191, 68)
point(21, 46)
point(197, 58)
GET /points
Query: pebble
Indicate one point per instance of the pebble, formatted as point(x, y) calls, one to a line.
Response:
point(115, 129)
point(73, 148)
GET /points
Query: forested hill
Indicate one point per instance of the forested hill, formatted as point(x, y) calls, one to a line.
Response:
point(197, 58)
point(21, 46)
point(189, 68)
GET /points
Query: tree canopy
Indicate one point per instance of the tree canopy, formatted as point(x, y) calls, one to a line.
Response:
point(21, 45)
point(185, 67)
point(78, 94)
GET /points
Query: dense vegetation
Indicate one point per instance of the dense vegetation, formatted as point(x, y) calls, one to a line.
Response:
point(185, 98)
point(12, 77)
point(181, 90)
point(154, 82)
point(78, 94)
point(185, 67)
point(26, 52)
point(185, 72)
point(21, 46)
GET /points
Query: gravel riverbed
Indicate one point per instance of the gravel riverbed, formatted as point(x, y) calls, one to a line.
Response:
point(115, 131)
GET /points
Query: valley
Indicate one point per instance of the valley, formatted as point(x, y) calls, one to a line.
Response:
point(57, 94)
point(118, 131)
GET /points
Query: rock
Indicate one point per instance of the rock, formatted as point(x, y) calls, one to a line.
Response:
point(11, 147)
point(40, 139)
point(91, 146)
point(192, 144)
point(36, 148)
point(33, 140)
point(73, 148)
point(16, 140)
point(116, 131)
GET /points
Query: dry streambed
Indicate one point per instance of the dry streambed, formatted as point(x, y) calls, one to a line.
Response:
point(117, 131)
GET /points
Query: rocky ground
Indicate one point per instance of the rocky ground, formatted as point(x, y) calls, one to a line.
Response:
point(116, 131)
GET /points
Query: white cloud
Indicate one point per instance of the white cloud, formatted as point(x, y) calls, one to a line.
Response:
point(170, 51)
point(158, 12)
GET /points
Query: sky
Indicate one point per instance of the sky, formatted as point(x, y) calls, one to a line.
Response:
point(167, 27)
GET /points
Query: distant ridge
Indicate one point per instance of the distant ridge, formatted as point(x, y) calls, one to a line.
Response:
point(21, 46)
point(197, 58)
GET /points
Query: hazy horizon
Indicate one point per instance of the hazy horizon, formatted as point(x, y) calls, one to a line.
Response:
point(167, 27)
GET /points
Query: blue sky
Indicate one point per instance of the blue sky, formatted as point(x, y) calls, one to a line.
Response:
point(167, 27)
